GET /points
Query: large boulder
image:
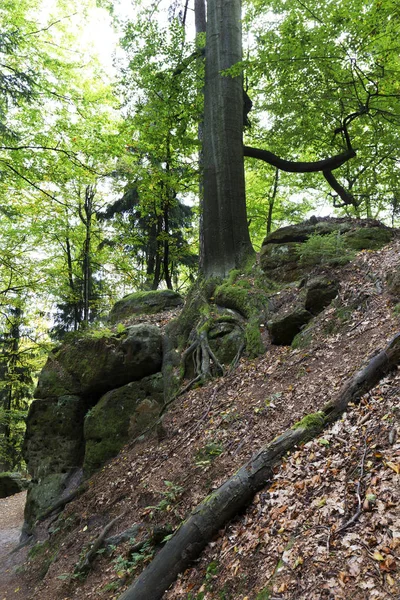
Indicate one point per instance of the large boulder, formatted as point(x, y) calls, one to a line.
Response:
point(74, 378)
point(146, 303)
point(118, 417)
point(45, 492)
point(54, 435)
point(393, 284)
point(12, 483)
point(226, 339)
point(280, 256)
point(89, 366)
point(320, 291)
point(284, 328)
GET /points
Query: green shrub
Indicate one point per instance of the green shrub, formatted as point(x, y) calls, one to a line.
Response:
point(323, 249)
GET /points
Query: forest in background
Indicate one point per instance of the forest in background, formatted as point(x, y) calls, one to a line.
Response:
point(100, 175)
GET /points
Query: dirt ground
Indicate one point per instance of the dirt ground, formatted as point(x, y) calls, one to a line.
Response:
point(11, 521)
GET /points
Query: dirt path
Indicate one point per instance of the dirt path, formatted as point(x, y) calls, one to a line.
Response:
point(11, 520)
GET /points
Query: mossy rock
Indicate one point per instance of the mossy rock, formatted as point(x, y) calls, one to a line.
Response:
point(368, 238)
point(225, 340)
point(90, 366)
point(43, 494)
point(118, 417)
point(283, 329)
point(281, 261)
point(12, 483)
point(320, 291)
point(54, 435)
point(145, 303)
point(243, 298)
point(281, 250)
point(393, 284)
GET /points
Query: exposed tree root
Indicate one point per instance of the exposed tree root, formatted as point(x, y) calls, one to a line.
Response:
point(154, 538)
point(60, 504)
point(237, 492)
point(84, 565)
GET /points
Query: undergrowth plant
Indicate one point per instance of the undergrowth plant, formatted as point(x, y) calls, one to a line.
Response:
point(325, 249)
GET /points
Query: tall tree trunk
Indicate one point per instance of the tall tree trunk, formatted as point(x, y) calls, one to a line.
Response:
point(200, 20)
point(225, 232)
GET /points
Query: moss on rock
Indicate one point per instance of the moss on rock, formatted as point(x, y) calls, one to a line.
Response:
point(147, 303)
point(368, 238)
point(90, 366)
point(119, 416)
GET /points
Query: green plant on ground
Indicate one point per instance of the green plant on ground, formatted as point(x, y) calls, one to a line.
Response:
point(205, 456)
point(264, 594)
point(341, 315)
point(170, 497)
point(396, 310)
point(125, 565)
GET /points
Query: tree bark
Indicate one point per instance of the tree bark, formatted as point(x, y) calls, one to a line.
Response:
point(225, 236)
point(236, 493)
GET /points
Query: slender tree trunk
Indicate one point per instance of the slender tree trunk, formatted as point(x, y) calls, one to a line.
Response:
point(71, 283)
point(158, 261)
point(224, 229)
point(87, 271)
point(271, 202)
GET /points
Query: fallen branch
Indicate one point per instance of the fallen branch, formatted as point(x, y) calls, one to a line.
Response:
point(236, 493)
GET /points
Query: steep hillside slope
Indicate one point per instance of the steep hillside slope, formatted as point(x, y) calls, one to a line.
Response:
point(329, 527)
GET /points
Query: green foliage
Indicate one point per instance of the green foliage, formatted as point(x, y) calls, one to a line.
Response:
point(170, 498)
point(396, 310)
point(205, 456)
point(325, 249)
point(300, 52)
point(125, 565)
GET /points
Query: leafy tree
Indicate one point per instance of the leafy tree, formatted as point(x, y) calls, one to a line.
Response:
point(162, 113)
point(331, 77)
point(20, 357)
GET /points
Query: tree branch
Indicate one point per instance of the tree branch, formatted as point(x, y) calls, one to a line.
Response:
point(347, 198)
point(291, 166)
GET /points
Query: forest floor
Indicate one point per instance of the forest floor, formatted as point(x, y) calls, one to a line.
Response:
point(328, 527)
point(11, 521)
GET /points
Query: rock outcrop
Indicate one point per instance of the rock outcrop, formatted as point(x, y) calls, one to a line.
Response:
point(120, 416)
point(112, 380)
point(280, 256)
point(12, 483)
point(144, 303)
